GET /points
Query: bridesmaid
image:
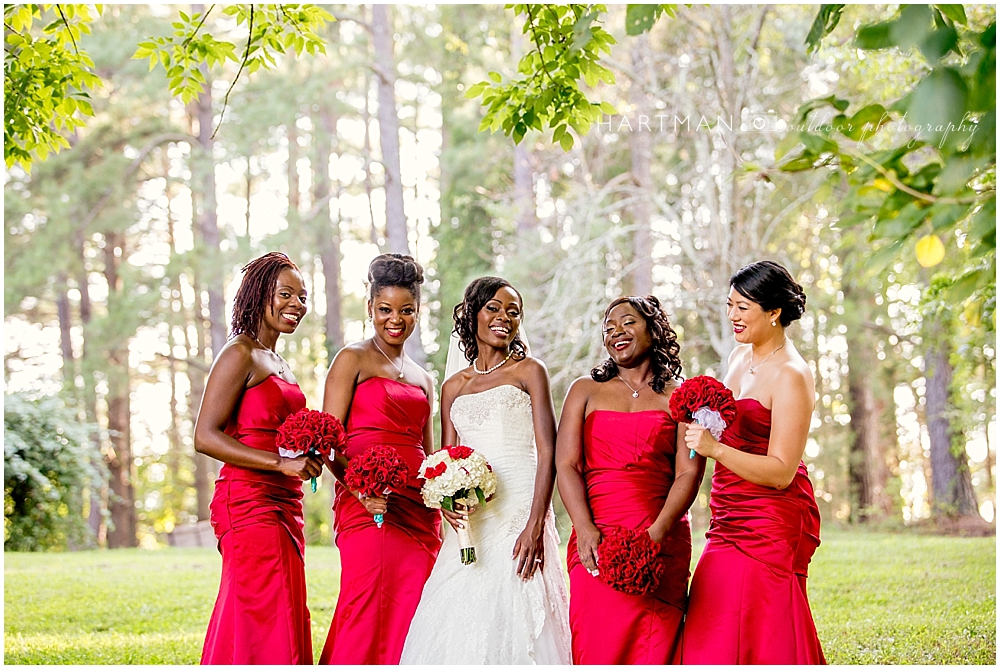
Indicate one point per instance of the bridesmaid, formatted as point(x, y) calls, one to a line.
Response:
point(383, 398)
point(765, 522)
point(260, 615)
point(618, 464)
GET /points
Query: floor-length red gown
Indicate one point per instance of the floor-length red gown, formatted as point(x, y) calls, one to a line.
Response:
point(628, 468)
point(260, 615)
point(748, 594)
point(383, 570)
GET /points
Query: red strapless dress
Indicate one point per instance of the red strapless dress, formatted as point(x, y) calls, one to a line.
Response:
point(748, 595)
point(260, 616)
point(628, 470)
point(383, 570)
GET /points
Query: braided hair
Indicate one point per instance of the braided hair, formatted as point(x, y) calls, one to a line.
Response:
point(665, 362)
point(256, 292)
point(466, 315)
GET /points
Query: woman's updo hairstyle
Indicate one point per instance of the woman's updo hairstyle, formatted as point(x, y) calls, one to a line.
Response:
point(664, 360)
point(395, 269)
point(466, 315)
point(771, 286)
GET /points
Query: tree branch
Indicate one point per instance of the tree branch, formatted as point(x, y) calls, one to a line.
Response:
point(246, 57)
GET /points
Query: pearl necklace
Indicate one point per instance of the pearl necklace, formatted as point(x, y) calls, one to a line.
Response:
point(753, 367)
point(402, 358)
point(493, 368)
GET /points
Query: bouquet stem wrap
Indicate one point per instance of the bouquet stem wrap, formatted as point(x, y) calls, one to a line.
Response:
point(465, 545)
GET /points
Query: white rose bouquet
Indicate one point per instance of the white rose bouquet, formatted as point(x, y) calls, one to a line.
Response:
point(458, 475)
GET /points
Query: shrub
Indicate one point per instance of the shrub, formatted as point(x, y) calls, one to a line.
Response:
point(49, 463)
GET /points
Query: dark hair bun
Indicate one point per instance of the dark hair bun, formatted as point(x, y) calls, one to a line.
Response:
point(395, 269)
point(772, 287)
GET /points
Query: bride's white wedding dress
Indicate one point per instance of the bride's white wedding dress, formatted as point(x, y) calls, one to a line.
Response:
point(483, 613)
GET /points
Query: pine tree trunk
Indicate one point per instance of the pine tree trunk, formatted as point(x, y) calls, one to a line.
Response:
point(388, 125)
point(952, 495)
point(203, 185)
point(867, 471)
point(122, 503)
point(640, 143)
point(99, 492)
point(524, 190)
point(293, 172)
point(396, 231)
point(325, 131)
point(196, 379)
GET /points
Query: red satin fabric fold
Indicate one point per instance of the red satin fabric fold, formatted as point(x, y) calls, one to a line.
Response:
point(628, 470)
point(383, 570)
point(260, 615)
point(748, 595)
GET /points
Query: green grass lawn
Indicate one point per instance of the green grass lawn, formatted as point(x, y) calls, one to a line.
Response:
point(877, 598)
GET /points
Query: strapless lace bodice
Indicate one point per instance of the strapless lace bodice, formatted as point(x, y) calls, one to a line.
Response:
point(512, 621)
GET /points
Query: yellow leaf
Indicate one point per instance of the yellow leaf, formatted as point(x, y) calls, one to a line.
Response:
point(930, 250)
point(883, 185)
point(973, 312)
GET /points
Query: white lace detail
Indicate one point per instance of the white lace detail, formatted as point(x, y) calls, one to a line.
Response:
point(483, 613)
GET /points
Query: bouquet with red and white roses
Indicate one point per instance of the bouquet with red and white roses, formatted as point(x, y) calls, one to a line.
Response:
point(310, 432)
point(377, 471)
point(458, 475)
point(705, 401)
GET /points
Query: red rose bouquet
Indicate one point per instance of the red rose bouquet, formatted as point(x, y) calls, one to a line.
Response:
point(705, 401)
point(458, 475)
point(628, 561)
point(309, 432)
point(378, 471)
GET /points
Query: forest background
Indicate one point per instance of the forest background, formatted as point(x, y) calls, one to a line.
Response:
point(122, 251)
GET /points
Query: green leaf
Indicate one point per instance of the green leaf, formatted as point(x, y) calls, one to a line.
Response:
point(495, 76)
point(954, 12)
point(912, 26)
point(984, 223)
point(955, 175)
point(566, 142)
point(873, 36)
point(938, 43)
point(866, 122)
point(938, 99)
point(640, 18)
point(878, 261)
point(446, 503)
point(480, 496)
point(826, 20)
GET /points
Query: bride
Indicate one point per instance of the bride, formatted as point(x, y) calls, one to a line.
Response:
point(510, 606)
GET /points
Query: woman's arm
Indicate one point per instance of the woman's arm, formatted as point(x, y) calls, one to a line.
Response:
point(688, 473)
point(791, 414)
point(569, 473)
point(338, 393)
point(227, 381)
point(529, 550)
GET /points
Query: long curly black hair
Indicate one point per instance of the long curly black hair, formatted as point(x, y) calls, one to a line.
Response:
point(466, 315)
point(256, 292)
point(664, 359)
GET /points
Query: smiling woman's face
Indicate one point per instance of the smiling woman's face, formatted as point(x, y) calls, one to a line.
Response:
point(626, 337)
point(499, 319)
point(394, 314)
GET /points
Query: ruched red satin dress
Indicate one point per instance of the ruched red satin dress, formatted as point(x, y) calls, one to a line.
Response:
point(748, 595)
point(260, 616)
point(628, 468)
point(383, 570)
